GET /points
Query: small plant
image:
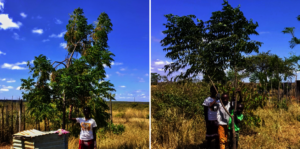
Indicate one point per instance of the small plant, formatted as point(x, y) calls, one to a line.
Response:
point(114, 128)
point(298, 118)
point(147, 116)
point(133, 105)
point(120, 115)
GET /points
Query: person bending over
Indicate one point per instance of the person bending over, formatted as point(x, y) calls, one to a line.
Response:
point(88, 129)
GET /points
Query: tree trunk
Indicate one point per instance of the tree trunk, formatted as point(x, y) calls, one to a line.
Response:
point(64, 112)
point(24, 116)
point(232, 118)
point(296, 89)
point(278, 91)
point(12, 117)
point(110, 109)
point(20, 116)
point(2, 130)
point(7, 122)
point(45, 124)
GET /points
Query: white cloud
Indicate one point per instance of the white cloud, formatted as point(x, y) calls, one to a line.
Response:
point(38, 17)
point(155, 39)
point(57, 21)
point(63, 45)
point(17, 37)
point(144, 96)
point(7, 23)
point(123, 86)
point(120, 74)
point(3, 79)
point(113, 63)
point(58, 35)
point(2, 53)
point(45, 40)
point(38, 31)
point(1, 5)
point(152, 68)
point(18, 88)
point(107, 76)
point(138, 91)
point(141, 79)
point(4, 89)
point(11, 81)
point(264, 32)
point(14, 66)
point(146, 74)
point(162, 63)
point(159, 69)
point(122, 69)
point(130, 94)
point(23, 14)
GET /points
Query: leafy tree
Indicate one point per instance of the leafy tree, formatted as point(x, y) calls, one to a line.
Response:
point(155, 77)
point(207, 47)
point(78, 81)
point(290, 30)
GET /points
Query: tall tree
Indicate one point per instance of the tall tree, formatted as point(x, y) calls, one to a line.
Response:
point(207, 47)
point(290, 30)
point(79, 78)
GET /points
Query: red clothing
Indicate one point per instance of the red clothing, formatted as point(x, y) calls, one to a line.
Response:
point(86, 144)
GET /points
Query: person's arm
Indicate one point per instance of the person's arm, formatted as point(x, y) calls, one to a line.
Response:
point(236, 120)
point(212, 103)
point(70, 114)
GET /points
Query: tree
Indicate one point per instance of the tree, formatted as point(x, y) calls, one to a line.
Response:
point(207, 48)
point(290, 30)
point(78, 81)
point(155, 77)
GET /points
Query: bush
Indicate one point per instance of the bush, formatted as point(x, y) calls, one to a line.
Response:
point(147, 116)
point(114, 128)
point(120, 115)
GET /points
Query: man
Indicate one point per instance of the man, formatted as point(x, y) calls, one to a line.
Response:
point(88, 129)
point(238, 117)
point(211, 116)
point(223, 118)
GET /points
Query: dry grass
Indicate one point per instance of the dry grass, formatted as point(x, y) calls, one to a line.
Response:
point(136, 135)
point(280, 130)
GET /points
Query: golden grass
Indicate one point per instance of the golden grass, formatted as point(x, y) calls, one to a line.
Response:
point(281, 131)
point(136, 135)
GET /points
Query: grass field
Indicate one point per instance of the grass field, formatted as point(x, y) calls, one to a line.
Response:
point(279, 129)
point(136, 136)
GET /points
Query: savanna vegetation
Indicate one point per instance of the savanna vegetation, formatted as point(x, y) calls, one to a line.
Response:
point(219, 50)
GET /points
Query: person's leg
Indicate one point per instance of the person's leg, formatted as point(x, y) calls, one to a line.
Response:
point(226, 135)
point(221, 131)
point(208, 137)
point(215, 133)
point(230, 138)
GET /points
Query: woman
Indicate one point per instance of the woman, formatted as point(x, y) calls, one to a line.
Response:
point(88, 129)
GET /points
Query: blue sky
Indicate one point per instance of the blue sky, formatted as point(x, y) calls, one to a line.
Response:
point(34, 27)
point(272, 17)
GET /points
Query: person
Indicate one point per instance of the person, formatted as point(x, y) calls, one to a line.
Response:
point(223, 118)
point(211, 116)
point(88, 129)
point(238, 117)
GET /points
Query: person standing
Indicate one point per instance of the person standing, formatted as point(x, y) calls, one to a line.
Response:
point(223, 118)
point(88, 129)
point(238, 117)
point(210, 115)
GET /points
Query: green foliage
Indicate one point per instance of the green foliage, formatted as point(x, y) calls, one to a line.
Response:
point(208, 47)
point(113, 128)
point(120, 115)
point(290, 30)
point(155, 78)
point(147, 116)
point(187, 99)
point(134, 104)
point(78, 82)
